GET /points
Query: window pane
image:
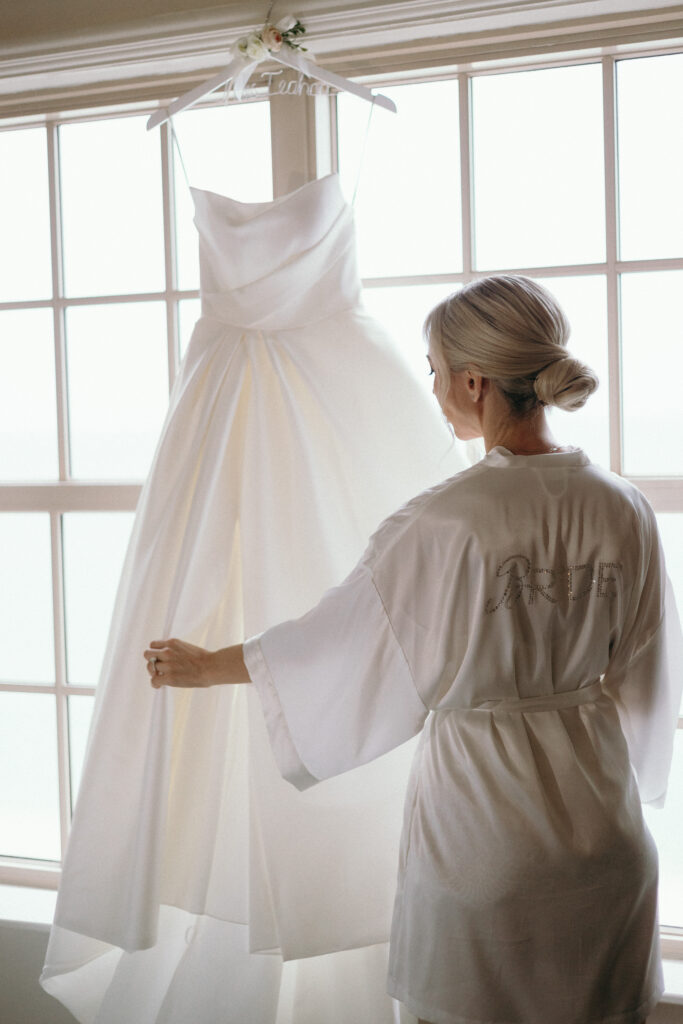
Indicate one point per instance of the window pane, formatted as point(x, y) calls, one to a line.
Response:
point(26, 623)
point(117, 363)
point(94, 548)
point(665, 825)
point(188, 313)
point(408, 203)
point(21, 903)
point(28, 412)
point(671, 531)
point(225, 150)
point(539, 184)
point(29, 797)
point(584, 300)
point(80, 713)
point(649, 94)
point(111, 207)
point(652, 367)
point(402, 311)
point(25, 260)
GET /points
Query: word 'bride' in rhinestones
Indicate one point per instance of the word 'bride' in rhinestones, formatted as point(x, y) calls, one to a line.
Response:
point(574, 581)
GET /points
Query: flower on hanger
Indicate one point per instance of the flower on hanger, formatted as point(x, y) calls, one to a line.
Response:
point(291, 28)
point(272, 38)
point(252, 47)
point(257, 45)
point(287, 23)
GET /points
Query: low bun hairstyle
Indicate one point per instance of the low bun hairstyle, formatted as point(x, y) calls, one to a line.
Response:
point(566, 383)
point(512, 331)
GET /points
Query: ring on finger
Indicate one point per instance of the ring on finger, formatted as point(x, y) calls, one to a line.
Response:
point(153, 663)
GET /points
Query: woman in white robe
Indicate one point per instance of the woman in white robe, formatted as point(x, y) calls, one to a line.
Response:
point(517, 615)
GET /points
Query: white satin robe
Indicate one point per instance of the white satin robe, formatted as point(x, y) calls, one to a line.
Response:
point(514, 614)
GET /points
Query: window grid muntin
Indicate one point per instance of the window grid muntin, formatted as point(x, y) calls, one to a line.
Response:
point(611, 253)
point(666, 493)
point(63, 773)
point(466, 175)
point(57, 292)
point(170, 255)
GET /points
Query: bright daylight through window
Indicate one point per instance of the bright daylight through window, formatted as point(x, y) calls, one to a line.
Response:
point(462, 183)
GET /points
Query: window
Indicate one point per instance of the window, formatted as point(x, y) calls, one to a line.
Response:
point(568, 174)
point(96, 307)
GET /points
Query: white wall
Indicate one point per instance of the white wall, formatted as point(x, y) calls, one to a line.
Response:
point(80, 53)
point(33, 20)
point(666, 1014)
point(22, 1001)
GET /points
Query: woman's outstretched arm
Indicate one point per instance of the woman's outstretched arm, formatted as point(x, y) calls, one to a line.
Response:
point(177, 663)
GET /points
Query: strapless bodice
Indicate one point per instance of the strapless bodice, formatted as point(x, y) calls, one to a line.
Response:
point(277, 265)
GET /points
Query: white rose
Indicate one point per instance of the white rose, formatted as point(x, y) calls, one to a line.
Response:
point(272, 38)
point(252, 46)
point(286, 23)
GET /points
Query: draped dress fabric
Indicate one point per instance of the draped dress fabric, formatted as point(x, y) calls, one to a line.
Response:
point(518, 615)
point(197, 884)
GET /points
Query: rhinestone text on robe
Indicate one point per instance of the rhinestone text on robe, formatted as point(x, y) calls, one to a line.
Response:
point(574, 582)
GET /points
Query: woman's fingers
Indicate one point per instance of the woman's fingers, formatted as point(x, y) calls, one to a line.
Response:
point(176, 663)
point(156, 646)
point(158, 652)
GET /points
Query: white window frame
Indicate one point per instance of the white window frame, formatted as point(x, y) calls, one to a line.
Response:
point(665, 494)
point(304, 145)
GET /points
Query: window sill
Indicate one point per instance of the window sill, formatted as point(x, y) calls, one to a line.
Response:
point(673, 981)
point(28, 906)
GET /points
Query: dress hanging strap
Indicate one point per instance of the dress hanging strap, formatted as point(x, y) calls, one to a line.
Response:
point(362, 152)
point(178, 150)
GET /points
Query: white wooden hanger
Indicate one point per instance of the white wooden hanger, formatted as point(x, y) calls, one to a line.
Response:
point(243, 66)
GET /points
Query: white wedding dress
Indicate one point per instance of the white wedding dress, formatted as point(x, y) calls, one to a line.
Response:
point(198, 885)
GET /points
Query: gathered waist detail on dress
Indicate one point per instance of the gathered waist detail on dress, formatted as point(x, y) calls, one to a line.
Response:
point(219, 307)
point(546, 702)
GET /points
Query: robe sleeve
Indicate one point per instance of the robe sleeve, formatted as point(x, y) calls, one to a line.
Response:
point(335, 685)
point(646, 678)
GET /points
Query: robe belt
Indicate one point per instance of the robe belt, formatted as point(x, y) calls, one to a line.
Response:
point(547, 702)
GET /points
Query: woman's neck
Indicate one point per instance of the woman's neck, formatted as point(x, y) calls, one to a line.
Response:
point(523, 435)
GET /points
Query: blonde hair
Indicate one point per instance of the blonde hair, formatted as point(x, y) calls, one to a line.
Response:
point(512, 331)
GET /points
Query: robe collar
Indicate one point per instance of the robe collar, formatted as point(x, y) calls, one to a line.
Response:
point(500, 456)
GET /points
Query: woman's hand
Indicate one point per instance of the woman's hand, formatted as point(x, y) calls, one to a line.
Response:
point(176, 663)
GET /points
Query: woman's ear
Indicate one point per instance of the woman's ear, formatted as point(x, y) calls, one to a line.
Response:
point(476, 385)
